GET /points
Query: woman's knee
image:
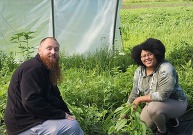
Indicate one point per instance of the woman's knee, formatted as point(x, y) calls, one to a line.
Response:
point(146, 118)
point(154, 110)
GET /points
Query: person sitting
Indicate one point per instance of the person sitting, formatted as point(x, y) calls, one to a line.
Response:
point(156, 84)
point(34, 104)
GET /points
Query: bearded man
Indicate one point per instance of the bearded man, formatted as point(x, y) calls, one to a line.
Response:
point(34, 104)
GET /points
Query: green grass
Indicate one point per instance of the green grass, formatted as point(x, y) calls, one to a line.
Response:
point(125, 2)
point(153, 3)
point(172, 25)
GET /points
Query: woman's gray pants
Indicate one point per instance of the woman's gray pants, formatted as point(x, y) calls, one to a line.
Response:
point(155, 114)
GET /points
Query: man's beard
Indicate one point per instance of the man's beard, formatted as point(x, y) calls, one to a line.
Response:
point(55, 70)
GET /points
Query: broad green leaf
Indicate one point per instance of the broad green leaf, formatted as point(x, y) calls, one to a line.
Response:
point(119, 109)
point(120, 124)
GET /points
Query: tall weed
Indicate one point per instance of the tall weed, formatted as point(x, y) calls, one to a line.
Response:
point(22, 40)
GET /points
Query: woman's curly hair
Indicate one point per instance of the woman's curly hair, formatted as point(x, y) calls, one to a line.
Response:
point(155, 46)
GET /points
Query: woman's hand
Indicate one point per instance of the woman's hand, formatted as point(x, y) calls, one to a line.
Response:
point(142, 99)
point(137, 101)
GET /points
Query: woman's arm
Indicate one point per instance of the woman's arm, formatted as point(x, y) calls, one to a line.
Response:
point(142, 99)
point(134, 92)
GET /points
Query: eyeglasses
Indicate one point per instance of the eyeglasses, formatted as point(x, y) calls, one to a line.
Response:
point(147, 55)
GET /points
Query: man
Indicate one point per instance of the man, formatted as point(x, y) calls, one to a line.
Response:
point(34, 104)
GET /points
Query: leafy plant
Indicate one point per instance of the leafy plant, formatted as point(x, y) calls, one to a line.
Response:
point(126, 121)
point(94, 96)
point(22, 39)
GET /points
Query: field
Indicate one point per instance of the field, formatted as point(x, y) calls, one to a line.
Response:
point(96, 88)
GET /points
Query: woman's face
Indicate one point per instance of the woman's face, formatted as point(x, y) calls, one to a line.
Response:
point(148, 59)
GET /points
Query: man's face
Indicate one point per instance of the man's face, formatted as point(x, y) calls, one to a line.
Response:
point(49, 50)
point(49, 54)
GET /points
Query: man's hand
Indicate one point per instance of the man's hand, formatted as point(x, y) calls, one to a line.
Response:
point(70, 117)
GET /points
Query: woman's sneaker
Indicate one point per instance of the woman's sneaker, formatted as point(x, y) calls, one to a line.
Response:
point(174, 122)
point(159, 133)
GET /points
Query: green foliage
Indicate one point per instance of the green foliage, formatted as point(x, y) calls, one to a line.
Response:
point(181, 54)
point(92, 96)
point(186, 78)
point(7, 62)
point(181, 58)
point(102, 60)
point(7, 65)
point(126, 121)
point(3, 98)
point(22, 39)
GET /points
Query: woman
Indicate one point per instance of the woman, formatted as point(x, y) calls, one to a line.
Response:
point(156, 84)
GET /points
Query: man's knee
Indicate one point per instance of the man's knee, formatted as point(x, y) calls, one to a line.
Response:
point(59, 127)
point(74, 128)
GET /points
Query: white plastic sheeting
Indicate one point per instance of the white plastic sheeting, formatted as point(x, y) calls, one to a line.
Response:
point(23, 16)
point(80, 26)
